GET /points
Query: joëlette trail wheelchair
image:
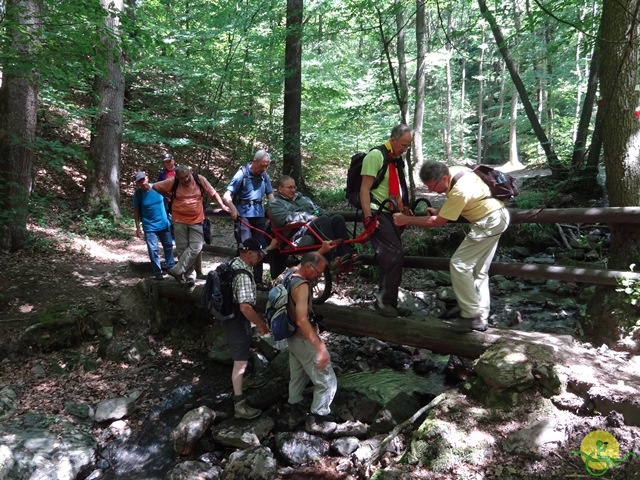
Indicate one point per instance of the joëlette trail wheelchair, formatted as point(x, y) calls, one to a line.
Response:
point(290, 252)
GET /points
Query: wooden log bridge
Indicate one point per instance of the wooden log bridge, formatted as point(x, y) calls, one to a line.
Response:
point(417, 331)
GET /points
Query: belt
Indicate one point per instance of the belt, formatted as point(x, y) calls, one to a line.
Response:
point(249, 202)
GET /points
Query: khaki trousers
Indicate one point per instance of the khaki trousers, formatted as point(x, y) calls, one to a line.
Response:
point(302, 367)
point(470, 264)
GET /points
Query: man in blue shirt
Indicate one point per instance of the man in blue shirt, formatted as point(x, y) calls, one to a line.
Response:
point(148, 208)
point(244, 197)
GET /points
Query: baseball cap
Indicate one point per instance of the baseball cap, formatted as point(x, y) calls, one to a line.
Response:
point(252, 244)
point(167, 157)
point(139, 176)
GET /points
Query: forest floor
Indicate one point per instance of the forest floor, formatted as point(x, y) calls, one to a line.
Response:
point(77, 277)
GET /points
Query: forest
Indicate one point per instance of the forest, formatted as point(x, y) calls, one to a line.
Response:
point(109, 86)
point(92, 91)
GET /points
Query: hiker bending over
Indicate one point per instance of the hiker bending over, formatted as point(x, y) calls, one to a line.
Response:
point(468, 197)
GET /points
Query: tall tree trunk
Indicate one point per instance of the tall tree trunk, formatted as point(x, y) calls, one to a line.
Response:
point(608, 314)
point(404, 92)
point(480, 100)
point(292, 157)
point(103, 182)
point(403, 84)
point(386, 43)
point(552, 158)
point(586, 173)
point(514, 157)
point(448, 106)
point(418, 113)
point(18, 108)
point(463, 109)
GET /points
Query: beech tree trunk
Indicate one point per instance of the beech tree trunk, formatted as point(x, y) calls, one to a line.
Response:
point(587, 166)
point(418, 113)
point(292, 156)
point(18, 109)
point(610, 315)
point(103, 182)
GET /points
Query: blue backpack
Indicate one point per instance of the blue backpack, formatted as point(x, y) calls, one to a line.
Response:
point(277, 314)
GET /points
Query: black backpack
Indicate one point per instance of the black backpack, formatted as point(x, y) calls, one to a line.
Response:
point(217, 294)
point(503, 186)
point(354, 175)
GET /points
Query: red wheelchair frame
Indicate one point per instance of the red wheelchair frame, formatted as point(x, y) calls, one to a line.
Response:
point(287, 248)
point(322, 289)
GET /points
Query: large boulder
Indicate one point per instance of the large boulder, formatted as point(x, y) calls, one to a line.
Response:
point(507, 365)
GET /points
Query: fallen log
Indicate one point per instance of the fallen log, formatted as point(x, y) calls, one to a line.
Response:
point(417, 331)
point(587, 372)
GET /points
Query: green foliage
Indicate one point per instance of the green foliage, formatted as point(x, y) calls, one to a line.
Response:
point(103, 226)
point(329, 196)
point(530, 199)
point(531, 233)
point(56, 154)
point(630, 288)
point(205, 79)
point(46, 211)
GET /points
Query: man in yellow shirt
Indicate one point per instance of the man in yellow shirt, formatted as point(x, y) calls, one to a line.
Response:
point(468, 197)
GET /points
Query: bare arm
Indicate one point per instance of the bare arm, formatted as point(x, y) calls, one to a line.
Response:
point(254, 317)
point(365, 195)
point(300, 296)
point(228, 201)
point(218, 199)
point(136, 218)
point(401, 219)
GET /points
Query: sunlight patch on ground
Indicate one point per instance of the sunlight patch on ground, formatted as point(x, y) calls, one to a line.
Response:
point(107, 251)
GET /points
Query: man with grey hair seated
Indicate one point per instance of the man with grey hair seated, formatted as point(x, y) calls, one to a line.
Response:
point(244, 197)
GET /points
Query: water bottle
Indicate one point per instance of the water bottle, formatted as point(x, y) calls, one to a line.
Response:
point(500, 178)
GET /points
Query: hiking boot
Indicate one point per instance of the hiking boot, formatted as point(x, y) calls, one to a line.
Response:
point(320, 424)
point(297, 414)
point(464, 325)
point(242, 410)
point(178, 276)
point(404, 312)
point(190, 282)
point(340, 263)
point(386, 310)
point(252, 382)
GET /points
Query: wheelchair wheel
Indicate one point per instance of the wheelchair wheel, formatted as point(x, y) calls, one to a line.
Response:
point(416, 204)
point(322, 287)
